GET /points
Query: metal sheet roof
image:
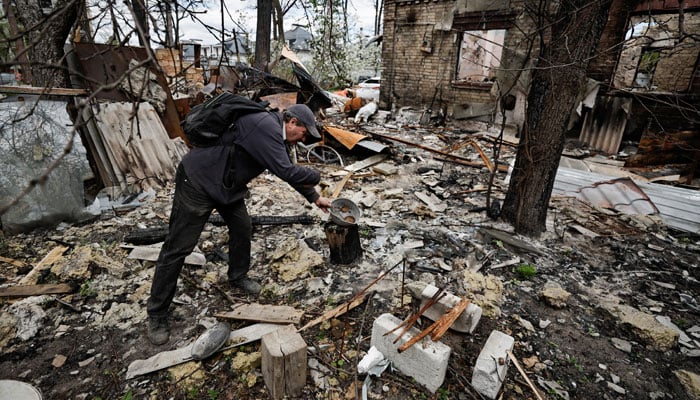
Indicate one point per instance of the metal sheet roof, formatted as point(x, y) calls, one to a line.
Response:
point(678, 208)
point(621, 194)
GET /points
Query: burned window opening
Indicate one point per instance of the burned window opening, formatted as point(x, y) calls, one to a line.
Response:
point(657, 55)
point(645, 70)
point(479, 56)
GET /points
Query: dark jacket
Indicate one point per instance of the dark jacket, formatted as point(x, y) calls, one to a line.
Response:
point(258, 145)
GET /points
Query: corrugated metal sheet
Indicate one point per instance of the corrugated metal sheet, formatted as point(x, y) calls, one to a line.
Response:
point(134, 153)
point(679, 208)
point(371, 145)
point(621, 194)
point(605, 124)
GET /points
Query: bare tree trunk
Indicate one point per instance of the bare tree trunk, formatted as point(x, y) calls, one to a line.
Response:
point(46, 36)
point(20, 51)
point(166, 11)
point(556, 85)
point(262, 35)
point(378, 11)
point(141, 16)
point(279, 20)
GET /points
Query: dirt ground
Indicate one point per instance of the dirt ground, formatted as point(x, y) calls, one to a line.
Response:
point(650, 268)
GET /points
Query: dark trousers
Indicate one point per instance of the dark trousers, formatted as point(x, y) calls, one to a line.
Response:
point(191, 210)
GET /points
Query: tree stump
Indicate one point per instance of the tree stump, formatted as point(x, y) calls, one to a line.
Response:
point(284, 362)
point(344, 242)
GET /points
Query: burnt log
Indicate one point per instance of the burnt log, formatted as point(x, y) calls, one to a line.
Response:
point(157, 234)
point(344, 242)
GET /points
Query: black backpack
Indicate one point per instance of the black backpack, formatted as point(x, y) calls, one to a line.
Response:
point(206, 122)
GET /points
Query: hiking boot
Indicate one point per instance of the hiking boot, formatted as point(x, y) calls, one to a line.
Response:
point(247, 285)
point(158, 330)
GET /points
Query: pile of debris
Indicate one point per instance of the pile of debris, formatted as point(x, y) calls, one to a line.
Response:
point(442, 292)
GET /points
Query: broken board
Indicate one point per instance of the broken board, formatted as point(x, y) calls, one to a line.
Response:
point(35, 290)
point(167, 359)
point(367, 162)
point(54, 255)
point(263, 313)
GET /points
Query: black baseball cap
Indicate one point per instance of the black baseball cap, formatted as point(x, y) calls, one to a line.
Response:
point(304, 114)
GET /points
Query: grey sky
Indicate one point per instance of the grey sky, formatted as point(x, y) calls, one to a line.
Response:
point(361, 15)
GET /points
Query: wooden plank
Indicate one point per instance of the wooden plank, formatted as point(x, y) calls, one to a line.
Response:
point(35, 290)
point(54, 255)
point(12, 261)
point(341, 184)
point(367, 162)
point(167, 359)
point(43, 91)
point(263, 313)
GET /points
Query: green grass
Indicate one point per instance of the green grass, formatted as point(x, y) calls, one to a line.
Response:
point(526, 271)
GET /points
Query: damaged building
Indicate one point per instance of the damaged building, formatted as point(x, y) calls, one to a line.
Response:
point(413, 270)
point(469, 60)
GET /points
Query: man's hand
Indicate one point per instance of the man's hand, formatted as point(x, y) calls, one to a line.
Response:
point(323, 203)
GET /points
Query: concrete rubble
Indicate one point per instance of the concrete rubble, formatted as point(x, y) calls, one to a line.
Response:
point(416, 217)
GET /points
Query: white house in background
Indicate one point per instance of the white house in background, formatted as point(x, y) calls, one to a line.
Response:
point(211, 55)
point(298, 39)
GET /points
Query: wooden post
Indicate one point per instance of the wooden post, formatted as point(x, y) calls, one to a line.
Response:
point(284, 362)
point(344, 242)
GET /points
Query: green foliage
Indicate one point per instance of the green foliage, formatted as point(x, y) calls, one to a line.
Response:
point(213, 394)
point(526, 271)
point(682, 323)
point(647, 64)
point(573, 361)
point(365, 233)
point(193, 393)
point(86, 290)
point(128, 395)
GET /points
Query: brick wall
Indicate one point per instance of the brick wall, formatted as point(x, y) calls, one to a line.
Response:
point(170, 60)
point(602, 66)
point(420, 59)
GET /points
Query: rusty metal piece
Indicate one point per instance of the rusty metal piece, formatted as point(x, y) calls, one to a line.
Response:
point(450, 157)
point(346, 138)
point(439, 327)
point(448, 319)
point(408, 323)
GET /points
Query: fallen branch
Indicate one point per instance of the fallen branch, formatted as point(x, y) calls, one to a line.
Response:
point(451, 157)
point(340, 310)
point(520, 369)
point(358, 299)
